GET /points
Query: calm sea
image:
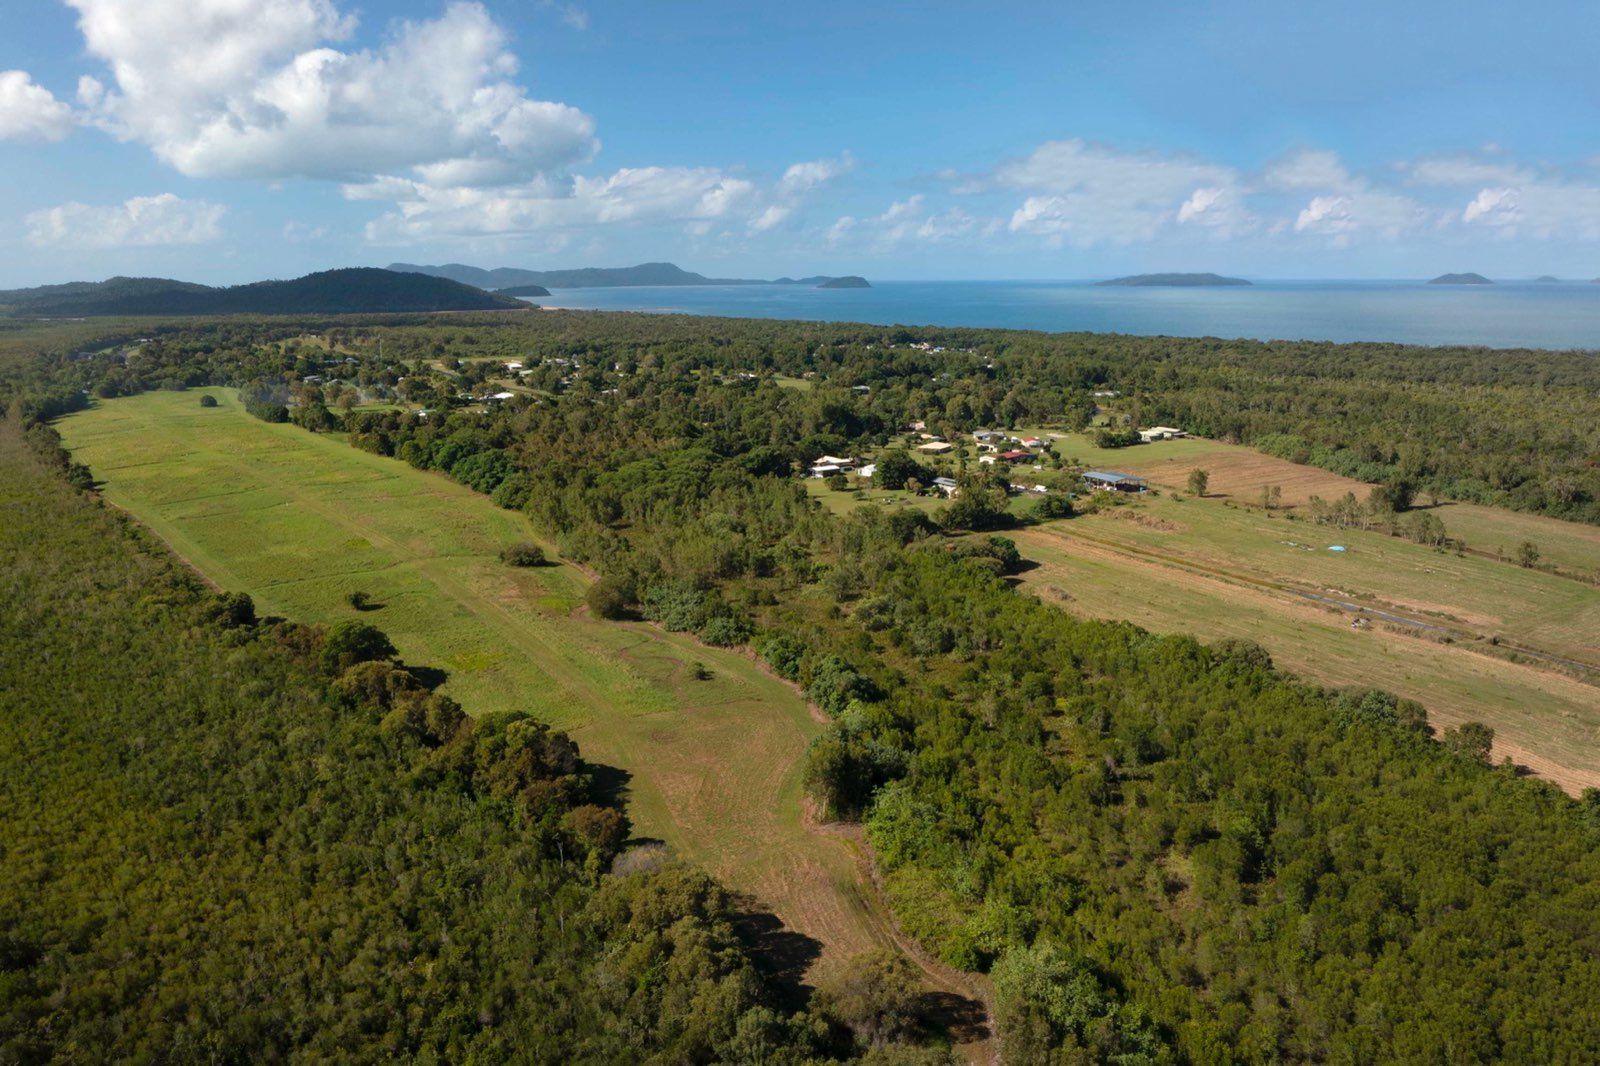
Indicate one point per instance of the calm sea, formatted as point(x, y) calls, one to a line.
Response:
point(1504, 315)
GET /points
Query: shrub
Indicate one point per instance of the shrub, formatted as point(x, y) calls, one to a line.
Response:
point(523, 554)
point(610, 598)
point(208, 400)
point(724, 631)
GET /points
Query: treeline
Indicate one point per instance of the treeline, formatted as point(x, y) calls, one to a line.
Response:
point(1510, 428)
point(240, 839)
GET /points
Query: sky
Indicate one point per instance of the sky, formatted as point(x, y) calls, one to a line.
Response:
point(231, 140)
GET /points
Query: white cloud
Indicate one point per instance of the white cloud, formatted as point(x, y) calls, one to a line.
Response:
point(904, 221)
point(574, 16)
point(1349, 206)
point(809, 176)
point(142, 221)
point(632, 195)
point(1089, 193)
point(28, 112)
point(1309, 169)
point(1463, 170)
point(252, 88)
point(1538, 209)
point(772, 216)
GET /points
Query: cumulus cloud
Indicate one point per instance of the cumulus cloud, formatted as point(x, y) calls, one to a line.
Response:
point(1348, 205)
point(1539, 209)
point(29, 112)
point(904, 221)
point(254, 89)
point(143, 221)
point(807, 177)
point(1463, 170)
point(1308, 169)
point(631, 195)
point(1086, 193)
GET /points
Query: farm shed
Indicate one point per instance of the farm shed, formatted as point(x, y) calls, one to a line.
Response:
point(1112, 481)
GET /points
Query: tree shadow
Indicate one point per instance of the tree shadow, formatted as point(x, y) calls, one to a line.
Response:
point(429, 677)
point(608, 787)
point(962, 1019)
point(781, 955)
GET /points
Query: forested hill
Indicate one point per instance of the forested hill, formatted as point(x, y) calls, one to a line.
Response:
point(1186, 281)
point(355, 290)
point(600, 277)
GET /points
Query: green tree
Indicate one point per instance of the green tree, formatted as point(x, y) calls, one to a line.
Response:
point(1199, 481)
point(874, 995)
point(350, 642)
point(1527, 554)
point(1472, 740)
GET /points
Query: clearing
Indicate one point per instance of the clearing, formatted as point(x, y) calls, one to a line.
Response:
point(299, 521)
point(1214, 570)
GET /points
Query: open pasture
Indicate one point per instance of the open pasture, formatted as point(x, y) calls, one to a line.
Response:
point(1200, 567)
point(299, 521)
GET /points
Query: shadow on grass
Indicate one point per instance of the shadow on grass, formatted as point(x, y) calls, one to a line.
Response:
point(609, 788)
point(429, 677)
point(780, 954)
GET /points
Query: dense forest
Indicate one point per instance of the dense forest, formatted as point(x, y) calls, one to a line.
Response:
point(1159, 850)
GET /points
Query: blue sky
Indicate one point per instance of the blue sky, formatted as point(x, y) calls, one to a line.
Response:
point(227, 140)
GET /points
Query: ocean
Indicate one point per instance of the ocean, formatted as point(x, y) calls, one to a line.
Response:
point(1504, 315)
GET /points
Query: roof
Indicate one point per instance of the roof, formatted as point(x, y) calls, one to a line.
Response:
point(936, 446)
point(945, 482)
point(1111, 477)
point(1015, 454)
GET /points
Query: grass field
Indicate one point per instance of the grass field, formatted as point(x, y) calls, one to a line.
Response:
point(299, 521)
point(1240, 473)
point(1201, 567)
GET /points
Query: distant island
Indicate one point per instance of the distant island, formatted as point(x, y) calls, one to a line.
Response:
point(1460, 279)
point(1546, 279)
point(503, 279)
point(356, 290)
point(524, 291)
point(849, 281)
point(1174, 280)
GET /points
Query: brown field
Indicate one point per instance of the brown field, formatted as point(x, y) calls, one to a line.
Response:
point(1214, 570)
point(1238, 472)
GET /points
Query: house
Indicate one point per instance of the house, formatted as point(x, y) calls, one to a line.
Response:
point(1034, 443)
point(1155, 433)
point(503, 396)
point(829, 465)
point(946, 485)
point(988, 435)
point(987, 459)
point(1017, 455)
point(936, 447)
point(1111, 481)
point(513, 366)
point(917, 426)
point(868, 470)
point(1039, 490)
